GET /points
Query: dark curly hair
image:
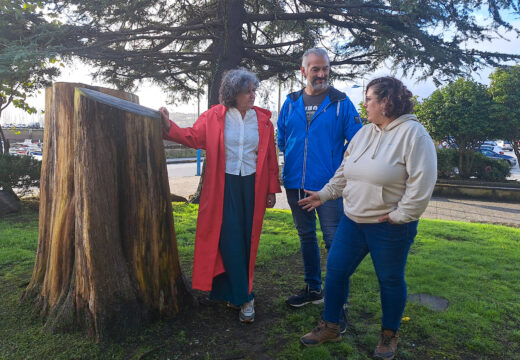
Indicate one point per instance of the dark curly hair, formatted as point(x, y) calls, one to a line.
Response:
point(399, 97)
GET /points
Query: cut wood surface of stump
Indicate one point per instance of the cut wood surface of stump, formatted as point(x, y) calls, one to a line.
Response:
point(107, 254)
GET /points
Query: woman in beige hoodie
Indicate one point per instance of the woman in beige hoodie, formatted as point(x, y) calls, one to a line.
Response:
point(386, 180)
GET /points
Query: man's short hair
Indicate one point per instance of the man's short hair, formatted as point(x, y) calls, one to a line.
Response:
point(316, 51)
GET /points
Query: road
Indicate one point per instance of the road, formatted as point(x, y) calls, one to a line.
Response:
point(181, 170)
point(515, 172)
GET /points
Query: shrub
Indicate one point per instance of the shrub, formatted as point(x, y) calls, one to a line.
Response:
point(488, 169)
point(446, 163)
point(19, 172)
point(483, 168)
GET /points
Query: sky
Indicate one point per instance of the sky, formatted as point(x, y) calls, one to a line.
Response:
point(153, 97)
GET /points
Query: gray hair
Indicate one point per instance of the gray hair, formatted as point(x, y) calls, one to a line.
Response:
point(235, 82)
point(316, 51)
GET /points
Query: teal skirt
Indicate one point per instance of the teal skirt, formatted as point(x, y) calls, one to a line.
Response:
point(235, 240)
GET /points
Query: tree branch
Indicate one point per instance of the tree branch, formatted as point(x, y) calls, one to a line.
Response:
point(271, 46)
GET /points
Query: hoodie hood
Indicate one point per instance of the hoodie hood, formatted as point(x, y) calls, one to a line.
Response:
point(334, 95)
point(376, 132)
point(401, 119)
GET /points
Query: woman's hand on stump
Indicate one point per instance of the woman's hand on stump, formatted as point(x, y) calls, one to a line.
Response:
point(165, 116)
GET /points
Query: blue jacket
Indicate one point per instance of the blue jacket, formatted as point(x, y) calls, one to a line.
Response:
point(314, 152)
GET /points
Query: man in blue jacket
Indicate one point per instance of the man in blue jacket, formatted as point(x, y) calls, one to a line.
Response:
point(314, 126)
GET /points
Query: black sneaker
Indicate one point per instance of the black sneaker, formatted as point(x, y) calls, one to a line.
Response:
point(343, 321)
point(304, 297)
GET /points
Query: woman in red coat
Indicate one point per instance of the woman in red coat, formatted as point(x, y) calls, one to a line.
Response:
point(241, 180)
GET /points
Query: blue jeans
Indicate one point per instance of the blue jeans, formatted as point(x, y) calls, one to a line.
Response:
point(329, 214)
point(388, 246)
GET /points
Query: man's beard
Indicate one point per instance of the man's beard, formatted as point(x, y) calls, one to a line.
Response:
point(323, 85)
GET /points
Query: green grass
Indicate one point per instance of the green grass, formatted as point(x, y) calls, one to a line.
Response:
point(474, 266)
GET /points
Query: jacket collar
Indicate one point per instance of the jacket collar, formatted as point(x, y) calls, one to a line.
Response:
point(334, 95)
point(263, 115)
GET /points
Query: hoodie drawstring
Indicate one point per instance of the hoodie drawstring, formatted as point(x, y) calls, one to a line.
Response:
point(377, 145)
point(401, 119)
point(365, 149)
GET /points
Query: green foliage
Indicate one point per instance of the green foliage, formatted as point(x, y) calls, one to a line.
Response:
point(505, 90)
point(28, 48)
point(490, 169)
point(183, 44)
point(460, 114)
point(446, 163)
point(19, 172)
point(482, 168)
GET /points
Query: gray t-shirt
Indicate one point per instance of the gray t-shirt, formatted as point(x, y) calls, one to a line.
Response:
point(312, 103)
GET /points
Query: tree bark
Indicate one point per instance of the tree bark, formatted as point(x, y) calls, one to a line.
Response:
point(107, 254)
point(516, 149)
point(4, 143)
point(195, 198)
point(229, 52)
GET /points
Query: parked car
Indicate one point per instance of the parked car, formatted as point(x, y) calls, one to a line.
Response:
point(505, 145)
point(34, 125)
point(489, 147)
point(493, 155)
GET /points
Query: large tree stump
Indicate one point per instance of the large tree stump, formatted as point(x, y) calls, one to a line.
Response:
point(107, 254)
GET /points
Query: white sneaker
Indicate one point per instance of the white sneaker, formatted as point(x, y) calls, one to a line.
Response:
point(247, 312)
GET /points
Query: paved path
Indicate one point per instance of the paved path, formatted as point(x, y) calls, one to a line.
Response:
point(439, 208)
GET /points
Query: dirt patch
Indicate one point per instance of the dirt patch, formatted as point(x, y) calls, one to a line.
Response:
point(213, 331)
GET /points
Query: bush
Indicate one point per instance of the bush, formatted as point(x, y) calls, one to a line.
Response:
point(446, 163)
point(19, 172)
point(488, 169)
point(483, 168)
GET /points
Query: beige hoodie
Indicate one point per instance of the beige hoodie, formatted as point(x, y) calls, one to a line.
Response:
point(390, 171)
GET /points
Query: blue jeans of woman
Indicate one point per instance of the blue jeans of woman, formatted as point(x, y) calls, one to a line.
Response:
point(329, 214)
point(388, 246)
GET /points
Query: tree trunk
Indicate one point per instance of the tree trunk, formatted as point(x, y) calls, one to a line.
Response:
point(4, 143)
point(228, 50)
point(107, 254)
point(195, 198)
point(516, 149)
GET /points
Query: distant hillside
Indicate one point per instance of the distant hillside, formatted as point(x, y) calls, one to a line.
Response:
point(182, 119)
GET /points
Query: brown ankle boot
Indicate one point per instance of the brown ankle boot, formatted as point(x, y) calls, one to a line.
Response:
point(387, 345)
point(324, 332)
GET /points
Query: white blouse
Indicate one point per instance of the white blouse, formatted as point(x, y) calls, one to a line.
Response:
point(241, 142)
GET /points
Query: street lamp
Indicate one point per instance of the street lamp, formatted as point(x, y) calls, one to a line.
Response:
point(355, 86)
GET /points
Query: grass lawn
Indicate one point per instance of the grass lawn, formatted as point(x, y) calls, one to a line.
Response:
point(474, 266)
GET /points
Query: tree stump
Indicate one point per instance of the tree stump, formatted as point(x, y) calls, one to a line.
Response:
point(107, 254)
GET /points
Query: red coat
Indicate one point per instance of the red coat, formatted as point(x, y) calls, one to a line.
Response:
point(208, 133)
